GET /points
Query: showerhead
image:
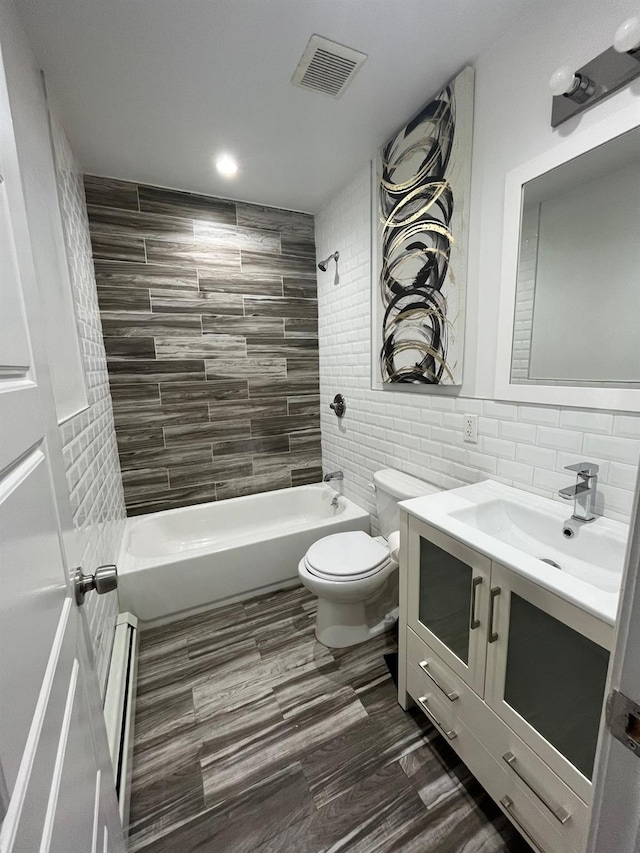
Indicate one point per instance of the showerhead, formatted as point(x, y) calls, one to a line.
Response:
point(324, 265)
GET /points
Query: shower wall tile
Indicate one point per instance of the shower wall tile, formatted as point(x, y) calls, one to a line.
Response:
point(108, 220)
point(270, 368)
point(117, 247)
point(123, 299)
point(295, 348)
point(107, 192)
point(129, 276)
point(189, 205)
point(262, 483)
point(235, 237)
point(209, 316)
point(286, 265)
point(134, 324)
point(284, 221)
point(193, 255)
point(205, 304)
point(255, 284)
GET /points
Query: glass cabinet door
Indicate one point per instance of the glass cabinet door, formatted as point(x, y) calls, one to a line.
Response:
point(448, 587)
point(546, 671)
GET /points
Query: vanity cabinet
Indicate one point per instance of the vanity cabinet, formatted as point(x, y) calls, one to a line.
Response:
point(511, 674)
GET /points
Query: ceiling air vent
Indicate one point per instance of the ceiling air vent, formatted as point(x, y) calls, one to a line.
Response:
point(327, 66)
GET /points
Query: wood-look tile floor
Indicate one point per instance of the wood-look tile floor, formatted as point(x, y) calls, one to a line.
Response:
point(252, 736)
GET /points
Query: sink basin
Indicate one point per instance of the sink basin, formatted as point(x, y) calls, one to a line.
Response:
point(533, 536)
point(586, 552)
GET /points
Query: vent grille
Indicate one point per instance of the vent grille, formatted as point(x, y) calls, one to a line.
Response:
point(327, 66)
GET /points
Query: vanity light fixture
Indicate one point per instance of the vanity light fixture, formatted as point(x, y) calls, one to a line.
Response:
point(614, 68)
point(226, 165)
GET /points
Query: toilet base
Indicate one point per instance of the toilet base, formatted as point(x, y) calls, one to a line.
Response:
point(339, 625)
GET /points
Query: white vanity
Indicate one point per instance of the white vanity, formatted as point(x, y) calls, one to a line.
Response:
point(507, 655)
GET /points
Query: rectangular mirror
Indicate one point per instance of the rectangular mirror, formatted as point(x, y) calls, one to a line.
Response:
point(578, 290)
point(569, 328)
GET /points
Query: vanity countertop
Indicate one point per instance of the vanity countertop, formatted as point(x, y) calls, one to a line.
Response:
point(520, 530)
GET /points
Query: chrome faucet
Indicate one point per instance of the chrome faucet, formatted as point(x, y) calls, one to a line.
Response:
point(583, 493)
point(334, 475)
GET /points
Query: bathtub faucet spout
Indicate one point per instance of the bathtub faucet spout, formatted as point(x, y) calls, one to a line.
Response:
point(334, 475)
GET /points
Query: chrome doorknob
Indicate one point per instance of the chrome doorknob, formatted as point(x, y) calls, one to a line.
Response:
point(104, 580)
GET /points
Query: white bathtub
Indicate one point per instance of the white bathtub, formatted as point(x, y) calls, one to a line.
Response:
point(187, 559)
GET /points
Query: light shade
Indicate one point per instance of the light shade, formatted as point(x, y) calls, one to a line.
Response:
point(562, 80)
point(627, 35)
point(226, 165)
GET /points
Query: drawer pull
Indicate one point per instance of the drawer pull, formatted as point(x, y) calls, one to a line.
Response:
point(507, 805)
point(422, 701)
point(475, 622)
point(560, 813)
point(424, 666)
point(493, 594)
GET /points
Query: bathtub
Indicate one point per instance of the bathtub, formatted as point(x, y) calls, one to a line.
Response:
point(184, 560)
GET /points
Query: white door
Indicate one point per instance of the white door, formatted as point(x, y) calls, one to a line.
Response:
point(615, 818)
point(57, 790)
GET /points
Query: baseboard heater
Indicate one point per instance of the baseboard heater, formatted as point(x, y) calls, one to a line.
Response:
point(119, 707)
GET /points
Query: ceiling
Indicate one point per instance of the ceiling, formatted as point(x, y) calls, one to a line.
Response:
point(152, 90)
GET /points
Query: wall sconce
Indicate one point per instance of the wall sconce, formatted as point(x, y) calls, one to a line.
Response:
point(614, 68)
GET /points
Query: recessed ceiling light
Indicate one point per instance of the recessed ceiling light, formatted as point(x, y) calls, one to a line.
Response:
point(226, 165)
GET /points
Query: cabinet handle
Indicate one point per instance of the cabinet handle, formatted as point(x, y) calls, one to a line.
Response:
point(493, 594)
point(560, 813)
point(422, 701)
point(424, 664)
point(507, 805)
point(475, 622)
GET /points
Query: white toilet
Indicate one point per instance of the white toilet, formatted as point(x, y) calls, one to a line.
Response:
point(347, 570)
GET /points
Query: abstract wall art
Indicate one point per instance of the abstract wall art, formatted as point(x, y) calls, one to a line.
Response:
point(421, 189)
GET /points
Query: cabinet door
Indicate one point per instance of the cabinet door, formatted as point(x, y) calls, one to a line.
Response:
point(546, 671)
point(448, 591)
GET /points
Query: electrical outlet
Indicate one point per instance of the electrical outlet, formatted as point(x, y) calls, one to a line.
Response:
point(470, 429)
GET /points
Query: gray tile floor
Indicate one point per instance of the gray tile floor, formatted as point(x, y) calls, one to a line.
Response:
point(252, 736)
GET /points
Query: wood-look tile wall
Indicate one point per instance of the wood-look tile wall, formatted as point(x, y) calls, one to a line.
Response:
point(210, 321)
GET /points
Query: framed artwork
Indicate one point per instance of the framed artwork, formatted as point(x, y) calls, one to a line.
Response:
point(421, 189)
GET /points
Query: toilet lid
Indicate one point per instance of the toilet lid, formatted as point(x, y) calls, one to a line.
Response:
point(346, 556)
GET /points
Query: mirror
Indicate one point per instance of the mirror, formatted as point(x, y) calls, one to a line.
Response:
point(577, 302)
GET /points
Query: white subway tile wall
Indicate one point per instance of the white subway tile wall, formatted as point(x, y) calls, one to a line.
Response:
point(420, 433)
point(89, 439)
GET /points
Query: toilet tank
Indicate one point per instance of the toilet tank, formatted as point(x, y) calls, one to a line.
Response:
point(391, 487)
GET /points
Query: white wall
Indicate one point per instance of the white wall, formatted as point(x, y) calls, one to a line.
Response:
point(523, 445)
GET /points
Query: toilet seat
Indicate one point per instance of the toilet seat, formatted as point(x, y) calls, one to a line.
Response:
point(346, 557)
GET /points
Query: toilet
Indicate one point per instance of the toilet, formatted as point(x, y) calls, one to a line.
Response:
point(347, 570)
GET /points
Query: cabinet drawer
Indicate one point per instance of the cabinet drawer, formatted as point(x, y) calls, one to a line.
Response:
point(515, 801)
point(435, 707)
point(443, 680)
point(561, 806)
